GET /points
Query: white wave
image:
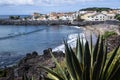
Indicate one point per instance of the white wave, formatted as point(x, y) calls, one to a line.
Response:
point(16, 34)
point(72, 38)
point(77, 27)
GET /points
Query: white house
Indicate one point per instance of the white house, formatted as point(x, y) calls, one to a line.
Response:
point(111, 16)
point(104, 12)
point(75, 15)
point(98, 16)
point(67, 16)
point(118, 11)
point(82, 12)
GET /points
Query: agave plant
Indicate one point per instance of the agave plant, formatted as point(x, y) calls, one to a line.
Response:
point(3, 73)
point(25, 77)
point(87, 63)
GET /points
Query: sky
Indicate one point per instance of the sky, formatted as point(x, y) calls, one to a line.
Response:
point(27, 7)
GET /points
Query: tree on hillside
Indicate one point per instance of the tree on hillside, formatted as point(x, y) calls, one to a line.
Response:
point(96, 9)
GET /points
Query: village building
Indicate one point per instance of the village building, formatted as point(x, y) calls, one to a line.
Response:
point(42, 17)
point(35, 15)
point(111, 16)
point(118, 11)
point(85, 15)
point(61, 16)
point(82, 12)
point(104, 12)
point(98, 16)
point(67, 16)
point(53, 16)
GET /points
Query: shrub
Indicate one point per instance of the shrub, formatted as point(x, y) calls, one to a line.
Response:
point(117, 17)
point(108, 34)
point(14, 17)
point(3, 73)
point(87, 63)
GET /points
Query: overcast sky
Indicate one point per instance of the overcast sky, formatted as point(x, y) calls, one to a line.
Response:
point(8, 7)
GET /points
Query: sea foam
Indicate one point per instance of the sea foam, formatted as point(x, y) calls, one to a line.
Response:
point(72, 38)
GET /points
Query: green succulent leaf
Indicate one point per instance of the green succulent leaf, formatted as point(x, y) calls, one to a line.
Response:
point(52, 72)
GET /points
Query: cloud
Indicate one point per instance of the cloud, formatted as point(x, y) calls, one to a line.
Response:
point(41, 2)
point(16, 2)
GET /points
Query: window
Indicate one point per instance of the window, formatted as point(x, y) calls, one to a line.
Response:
point(111, 17)
point(88, 16)
point(96, 19)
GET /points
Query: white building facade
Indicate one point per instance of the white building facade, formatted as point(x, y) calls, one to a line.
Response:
point(98, 17)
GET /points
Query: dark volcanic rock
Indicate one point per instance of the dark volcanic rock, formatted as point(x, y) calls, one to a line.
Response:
point(33, 22)
point(113, 42)
point(29, 64)
point(34, 54)
point(53, 22)
point(9, 74)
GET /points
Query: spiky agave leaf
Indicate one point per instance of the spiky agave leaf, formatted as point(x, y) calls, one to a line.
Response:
point(109, 63)
point(53, 73)
point(69, 64)
point(96, 48)
point(79, 50)
point(61, 69)
point(87, 61)
point(25, 77)
point(77, 66)
point(115, 74)
point(103, 63)
point(99, 62)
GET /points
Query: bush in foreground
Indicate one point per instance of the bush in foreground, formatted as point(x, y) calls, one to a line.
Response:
point(108, 34)
point(87, 63)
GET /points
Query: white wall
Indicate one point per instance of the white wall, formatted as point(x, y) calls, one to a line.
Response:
point(98, 17)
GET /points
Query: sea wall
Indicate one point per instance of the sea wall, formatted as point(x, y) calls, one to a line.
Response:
point(85, 23)
point(33, 22)
point(54, 22)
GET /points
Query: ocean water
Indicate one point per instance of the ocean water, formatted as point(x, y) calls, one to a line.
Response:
point(16, 41)
point(7, 16)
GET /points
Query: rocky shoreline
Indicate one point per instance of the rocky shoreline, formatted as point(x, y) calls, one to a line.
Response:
point(29, 65)
point(102, 28)
point(33, 22)
point(53, 22)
